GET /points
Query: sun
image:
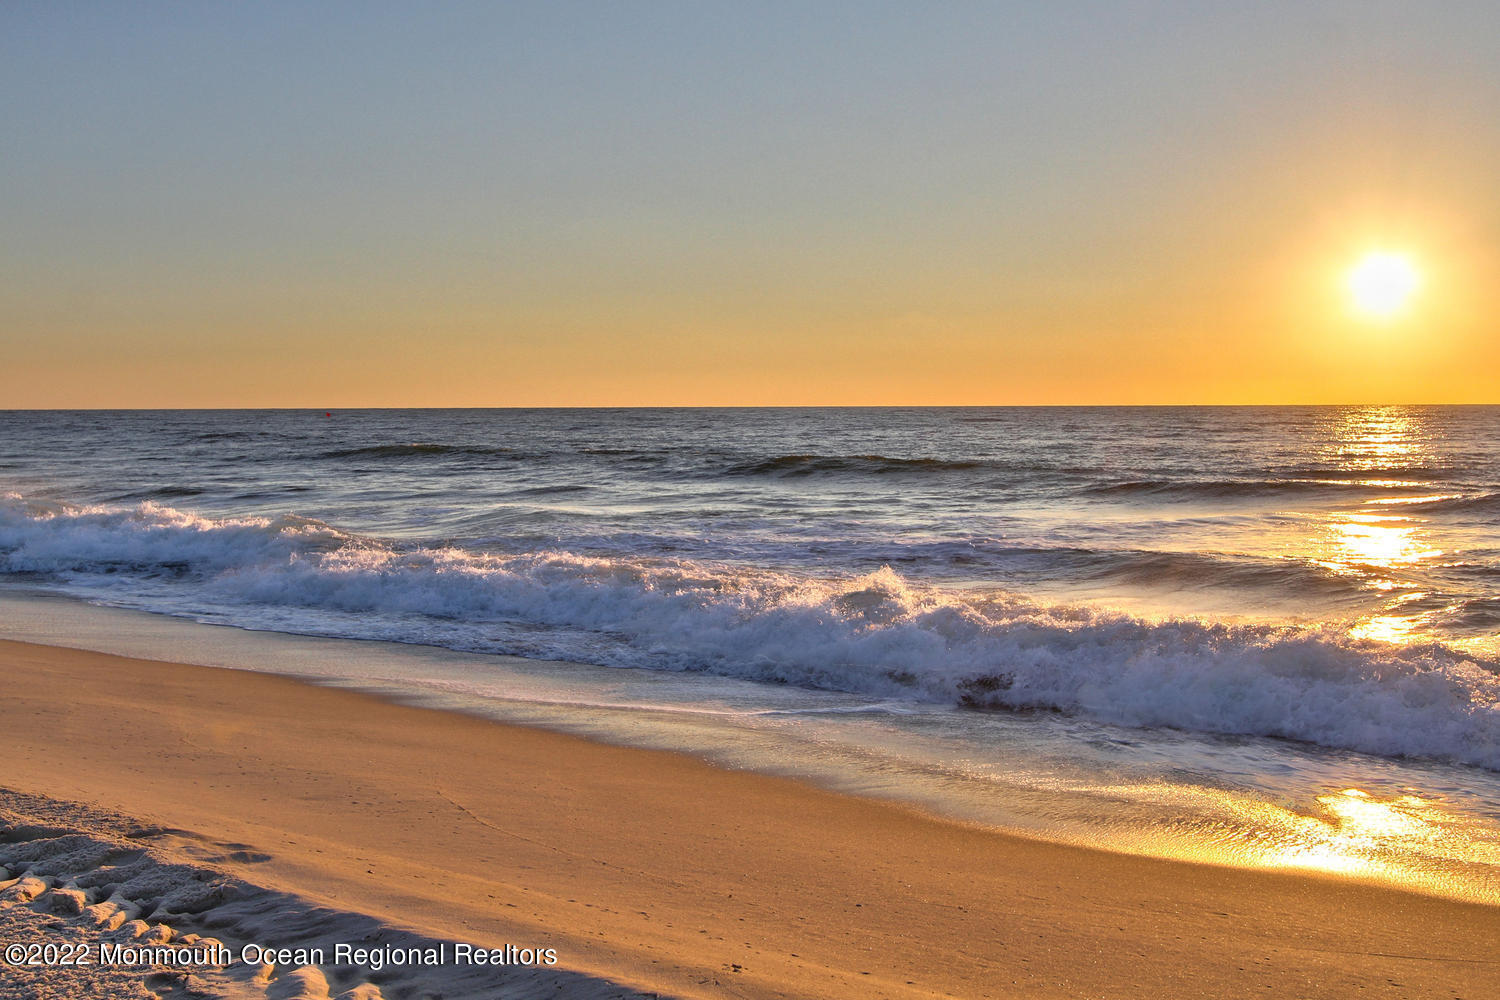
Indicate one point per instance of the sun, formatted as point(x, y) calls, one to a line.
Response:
point(1382, 283)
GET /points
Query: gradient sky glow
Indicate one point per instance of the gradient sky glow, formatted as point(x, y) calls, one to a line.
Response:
point(472, 204)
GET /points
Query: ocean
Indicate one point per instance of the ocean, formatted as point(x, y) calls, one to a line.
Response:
point(1258, 635)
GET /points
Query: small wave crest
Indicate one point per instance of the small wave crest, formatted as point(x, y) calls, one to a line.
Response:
point(418, 450)
point(1225, 489)
point(158, 493)
point(877, 634)
point(1485, 506)
point(813, 465)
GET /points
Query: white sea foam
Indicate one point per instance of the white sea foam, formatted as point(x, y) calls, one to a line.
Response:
point(876, 634)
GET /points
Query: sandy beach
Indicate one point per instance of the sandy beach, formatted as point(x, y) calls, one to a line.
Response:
point(651, 871)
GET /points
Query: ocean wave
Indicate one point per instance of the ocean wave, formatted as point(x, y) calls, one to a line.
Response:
point(629, 453)
point(1485, 505)
point(157, 493)
point(1154, 569)
point(876, 634)
point(421, 449)
point(554, 490)
point(1477, 616)
point(811, 465)
point(1381, 470)
point(1228, 489)
point(149, 539)
point(1287, 578)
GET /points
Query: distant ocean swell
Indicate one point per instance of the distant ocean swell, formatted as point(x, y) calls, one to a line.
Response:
point(877, 634)
point(1091, 481)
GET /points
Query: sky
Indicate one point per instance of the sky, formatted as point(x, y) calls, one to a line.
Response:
point(481, 204)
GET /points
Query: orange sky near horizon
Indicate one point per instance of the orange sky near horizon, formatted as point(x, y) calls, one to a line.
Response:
point(1131, 211)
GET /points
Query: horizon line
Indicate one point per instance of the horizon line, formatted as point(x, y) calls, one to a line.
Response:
point(728, 406)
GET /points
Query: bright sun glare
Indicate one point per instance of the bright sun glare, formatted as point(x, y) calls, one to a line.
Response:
point(1382, 283)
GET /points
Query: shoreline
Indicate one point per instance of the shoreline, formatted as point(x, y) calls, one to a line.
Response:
point(663, 872)
point(1308, 826)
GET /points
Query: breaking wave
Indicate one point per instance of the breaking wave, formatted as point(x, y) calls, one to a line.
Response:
point(876, 634)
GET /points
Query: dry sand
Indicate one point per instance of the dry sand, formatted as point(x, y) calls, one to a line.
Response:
point(643, 869)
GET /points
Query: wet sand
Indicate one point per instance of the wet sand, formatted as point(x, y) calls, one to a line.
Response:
point(660, 872)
